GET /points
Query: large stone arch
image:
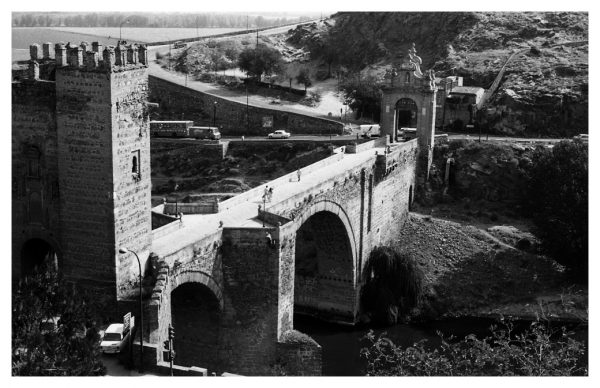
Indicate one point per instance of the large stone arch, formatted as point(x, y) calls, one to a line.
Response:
point(325, 281)
point(335, 208)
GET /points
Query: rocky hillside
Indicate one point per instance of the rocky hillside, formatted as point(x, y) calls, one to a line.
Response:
point(544, 89)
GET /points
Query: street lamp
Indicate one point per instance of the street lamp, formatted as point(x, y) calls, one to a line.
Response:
point(247, 110)
point(215, 114)
point(124, 250)
point(120, 26)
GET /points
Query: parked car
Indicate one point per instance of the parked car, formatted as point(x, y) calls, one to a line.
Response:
point(113, 339)
point(279, 134)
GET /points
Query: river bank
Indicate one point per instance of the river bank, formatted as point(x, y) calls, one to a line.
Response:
point(478, 272)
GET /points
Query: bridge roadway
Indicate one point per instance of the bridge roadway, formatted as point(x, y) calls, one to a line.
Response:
point(197, 226)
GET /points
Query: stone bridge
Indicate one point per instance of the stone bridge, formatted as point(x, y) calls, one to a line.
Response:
point(230, 280)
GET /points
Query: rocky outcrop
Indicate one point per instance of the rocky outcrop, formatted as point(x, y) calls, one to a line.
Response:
point(545, 87)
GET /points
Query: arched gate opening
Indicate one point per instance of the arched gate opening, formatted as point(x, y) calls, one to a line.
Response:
point(324, 277)
point(406, 113)
point(37, 254)
point(195, 315)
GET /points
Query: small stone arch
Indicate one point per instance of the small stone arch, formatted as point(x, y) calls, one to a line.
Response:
point(196, 276)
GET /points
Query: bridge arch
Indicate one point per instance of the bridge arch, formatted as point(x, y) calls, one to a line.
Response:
point(196, 314)
point(325, 263)
point(332, 207)
point(196, 276)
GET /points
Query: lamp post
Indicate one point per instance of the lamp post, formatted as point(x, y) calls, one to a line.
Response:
point(215, 114)
point(121, 26)
point(124, 250)
point(247, 110)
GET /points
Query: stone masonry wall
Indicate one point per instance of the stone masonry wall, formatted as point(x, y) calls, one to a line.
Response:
point(251, 280)
point(34, 125)
point(177, 102)
point(85, 176)
point(299, 355)
point(132, 199)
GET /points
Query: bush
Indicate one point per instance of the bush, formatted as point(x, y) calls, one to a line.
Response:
point(393, 285)
point(558, 200)
point(72, 349)
point(538, 351)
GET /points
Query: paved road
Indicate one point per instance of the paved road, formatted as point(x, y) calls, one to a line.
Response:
point(323, 139)
point(507, 139)
point(231, 95)
point(114, 368)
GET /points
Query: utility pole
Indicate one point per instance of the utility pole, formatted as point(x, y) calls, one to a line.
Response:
point(170, 57)
point(247, 110)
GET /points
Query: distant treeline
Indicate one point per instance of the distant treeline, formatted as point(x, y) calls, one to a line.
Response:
point(172, 20)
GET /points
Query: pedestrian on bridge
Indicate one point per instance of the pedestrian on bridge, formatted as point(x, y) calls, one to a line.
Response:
point(270, 194)
point(299, 174)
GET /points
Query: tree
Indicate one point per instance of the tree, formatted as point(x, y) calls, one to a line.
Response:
point(326, 49)
point(393, 285)
point(303, 78)
point(558, 200)
point(536, 351)
point(363, 95)
point(72, 348)
point(260, 60)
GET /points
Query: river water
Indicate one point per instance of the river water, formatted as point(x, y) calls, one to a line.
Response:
point(341, 345)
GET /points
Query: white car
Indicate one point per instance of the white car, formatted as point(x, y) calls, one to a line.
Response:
point(113, 340)
point(279, 134)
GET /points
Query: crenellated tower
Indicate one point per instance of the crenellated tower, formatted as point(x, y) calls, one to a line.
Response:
point(102, 155)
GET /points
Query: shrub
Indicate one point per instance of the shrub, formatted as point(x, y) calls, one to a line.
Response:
point(72, 349)
point(558, 200)
point(393, 285)
point(538, 351)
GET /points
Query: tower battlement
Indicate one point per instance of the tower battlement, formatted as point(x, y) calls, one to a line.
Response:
point(87, 57)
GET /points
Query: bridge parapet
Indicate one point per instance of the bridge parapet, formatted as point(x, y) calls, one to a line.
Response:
point(257, 191)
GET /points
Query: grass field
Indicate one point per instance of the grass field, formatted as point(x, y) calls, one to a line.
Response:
point(23, 37)
point(147, 35)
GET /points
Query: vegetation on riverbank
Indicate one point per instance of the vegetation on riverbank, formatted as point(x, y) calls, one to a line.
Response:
point(537, 351)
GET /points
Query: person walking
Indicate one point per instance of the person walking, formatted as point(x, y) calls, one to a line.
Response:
point(299, 174)
point(270, 194)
